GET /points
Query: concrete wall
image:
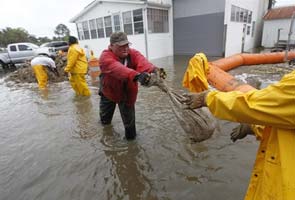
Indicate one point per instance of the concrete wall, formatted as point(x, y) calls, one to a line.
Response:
point(198, 27)
point(270, 31)
point(159, 45)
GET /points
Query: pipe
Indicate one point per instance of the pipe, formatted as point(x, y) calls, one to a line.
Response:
point(223, 81)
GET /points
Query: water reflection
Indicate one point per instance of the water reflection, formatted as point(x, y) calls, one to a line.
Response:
point(126, 178)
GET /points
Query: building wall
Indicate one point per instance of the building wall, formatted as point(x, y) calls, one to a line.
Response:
point(234, 33)
point(198, 27)
point(159, 45)
point(270, 31)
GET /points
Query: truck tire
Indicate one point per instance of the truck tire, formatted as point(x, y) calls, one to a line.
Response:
point(3, 65)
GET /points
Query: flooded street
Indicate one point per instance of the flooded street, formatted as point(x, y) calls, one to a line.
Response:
point(52, 146)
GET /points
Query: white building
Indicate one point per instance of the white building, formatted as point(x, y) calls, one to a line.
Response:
point(160, 28)
point(147, 23)
point(217, 27)
point(276, 27)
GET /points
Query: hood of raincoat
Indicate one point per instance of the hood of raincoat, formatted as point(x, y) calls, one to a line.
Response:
point(77, 61)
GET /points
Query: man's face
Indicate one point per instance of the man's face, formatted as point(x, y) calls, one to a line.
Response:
point(120, 51)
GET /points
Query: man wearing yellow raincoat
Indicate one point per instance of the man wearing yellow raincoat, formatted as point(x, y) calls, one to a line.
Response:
point(77, 67)
point(272, 110)
point(39, 64)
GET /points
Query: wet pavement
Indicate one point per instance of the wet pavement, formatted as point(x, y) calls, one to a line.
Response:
point(52, 147)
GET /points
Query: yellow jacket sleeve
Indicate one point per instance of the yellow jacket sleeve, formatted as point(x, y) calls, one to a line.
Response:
point(72, 58)
point(271, 106)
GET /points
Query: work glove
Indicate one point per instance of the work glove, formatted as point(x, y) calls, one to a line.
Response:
point(240, 132)
point(195, 100)
point(161, 73)
point(144, 78)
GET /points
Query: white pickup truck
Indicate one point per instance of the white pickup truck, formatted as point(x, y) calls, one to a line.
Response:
point(21, 52)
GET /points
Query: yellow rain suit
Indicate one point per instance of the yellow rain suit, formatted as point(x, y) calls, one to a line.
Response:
point(41, 76)
point(273, 176)
point(39, 64)
point(77, 67)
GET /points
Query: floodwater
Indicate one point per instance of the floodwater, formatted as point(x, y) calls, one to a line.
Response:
point(52, 146)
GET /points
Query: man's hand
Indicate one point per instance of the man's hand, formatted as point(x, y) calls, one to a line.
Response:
point(240, 132)
point(195, 100)
point(144, 78)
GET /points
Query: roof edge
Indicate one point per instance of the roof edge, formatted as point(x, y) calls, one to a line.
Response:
point(95, 2)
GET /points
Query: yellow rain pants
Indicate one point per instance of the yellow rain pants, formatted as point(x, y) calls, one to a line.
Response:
point(41, 76)
point(79, 84)
point(195, 77)
point(273, 176)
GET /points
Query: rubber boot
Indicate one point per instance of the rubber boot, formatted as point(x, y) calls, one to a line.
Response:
point(130, 133)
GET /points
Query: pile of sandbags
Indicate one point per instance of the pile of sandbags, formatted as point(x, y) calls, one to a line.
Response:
point(25, 73)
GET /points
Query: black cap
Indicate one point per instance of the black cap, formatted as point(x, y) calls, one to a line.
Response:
point(119, 38)
point(72, 40)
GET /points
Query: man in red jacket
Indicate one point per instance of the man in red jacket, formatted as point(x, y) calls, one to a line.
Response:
point(121, 68)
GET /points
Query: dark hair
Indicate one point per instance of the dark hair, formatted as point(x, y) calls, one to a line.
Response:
point(72, 40)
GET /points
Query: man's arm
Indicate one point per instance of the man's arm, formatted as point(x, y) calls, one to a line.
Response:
point(142, 64)
point(271, 106)
point(72, 58)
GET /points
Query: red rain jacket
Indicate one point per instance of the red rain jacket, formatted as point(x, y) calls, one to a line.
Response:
point(117, 79)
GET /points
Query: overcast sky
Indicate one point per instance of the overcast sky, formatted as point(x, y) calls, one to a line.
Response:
point(40, 17)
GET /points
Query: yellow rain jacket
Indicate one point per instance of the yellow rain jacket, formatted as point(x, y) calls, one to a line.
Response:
point(195, 77)
point(273, 176)
point(77, 62)
point(77, 67)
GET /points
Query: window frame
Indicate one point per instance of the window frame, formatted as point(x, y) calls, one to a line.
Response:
point(108, 28)
point(129, 23)
point(138, 22)
point(93, 29)
point(157, 20)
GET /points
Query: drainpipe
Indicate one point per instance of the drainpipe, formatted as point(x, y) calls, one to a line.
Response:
point(146, 29)
point(289, 36)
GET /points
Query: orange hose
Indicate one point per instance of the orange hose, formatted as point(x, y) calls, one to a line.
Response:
point(223, 81)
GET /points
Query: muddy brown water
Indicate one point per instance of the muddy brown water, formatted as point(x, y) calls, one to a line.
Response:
point(52, 147)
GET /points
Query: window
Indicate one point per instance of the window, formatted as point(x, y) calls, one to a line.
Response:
point(248, 30)
point(93, 32)
point(86, 30)
point(108, 25)
point(12, 48)
point(250, 17)
point(233, 13)
point(240, 15)
point(22, 47)
point(100, 28)
point(138, 21)
point(253, 28)
point(80, 31)
point(237, 14)
point(127, 23)
point(157, 20)
point(117, 22)
point(245, 16)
